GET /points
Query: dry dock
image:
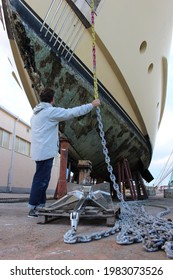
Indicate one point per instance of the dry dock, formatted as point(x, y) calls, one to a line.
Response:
point(23, 238)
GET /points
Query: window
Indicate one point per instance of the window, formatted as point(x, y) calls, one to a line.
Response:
point(4, 138)
point(96, 3)
point(22, 146)
point(85, 6)
point(81, 3)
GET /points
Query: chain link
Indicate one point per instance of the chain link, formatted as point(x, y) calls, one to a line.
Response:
point(107, 158)
point(134, 224)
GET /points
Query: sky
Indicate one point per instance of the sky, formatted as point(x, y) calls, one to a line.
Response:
point(12, 97)
point(162, 159)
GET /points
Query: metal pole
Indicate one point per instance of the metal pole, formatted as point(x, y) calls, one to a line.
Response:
point(53, 18)
point(11, 169)
point(51, 5)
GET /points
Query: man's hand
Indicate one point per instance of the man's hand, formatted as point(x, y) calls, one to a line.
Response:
point(96, 102)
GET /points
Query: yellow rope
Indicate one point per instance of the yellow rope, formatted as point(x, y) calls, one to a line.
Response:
point(94, 50)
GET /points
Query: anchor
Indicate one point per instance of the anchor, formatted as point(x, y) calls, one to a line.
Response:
point(133, 226)
point(86, 202)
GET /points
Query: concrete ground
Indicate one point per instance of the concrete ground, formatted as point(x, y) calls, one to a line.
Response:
point(23, 238)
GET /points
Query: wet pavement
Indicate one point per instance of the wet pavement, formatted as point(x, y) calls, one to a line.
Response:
point(23, 238)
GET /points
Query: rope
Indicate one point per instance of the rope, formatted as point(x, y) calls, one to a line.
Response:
point(99, 118)
point(94, 50)
point(135, 225)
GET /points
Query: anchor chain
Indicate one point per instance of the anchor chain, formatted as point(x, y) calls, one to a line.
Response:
point(107, 160)
point(134, 224)
point(71, 236)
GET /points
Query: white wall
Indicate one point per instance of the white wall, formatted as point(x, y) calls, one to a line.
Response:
point(16, 169)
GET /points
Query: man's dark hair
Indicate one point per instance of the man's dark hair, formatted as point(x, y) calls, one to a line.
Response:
point(47, 95)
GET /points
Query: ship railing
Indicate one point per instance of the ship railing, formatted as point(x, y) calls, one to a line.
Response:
point(65, 23)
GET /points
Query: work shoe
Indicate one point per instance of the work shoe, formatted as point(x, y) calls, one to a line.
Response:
point(32, 213)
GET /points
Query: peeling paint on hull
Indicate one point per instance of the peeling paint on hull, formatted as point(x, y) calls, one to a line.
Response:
point(123, 138)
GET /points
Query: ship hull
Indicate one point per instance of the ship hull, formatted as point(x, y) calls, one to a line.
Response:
point(44, 60)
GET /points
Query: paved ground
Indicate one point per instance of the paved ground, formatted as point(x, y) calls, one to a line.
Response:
point(23, 238)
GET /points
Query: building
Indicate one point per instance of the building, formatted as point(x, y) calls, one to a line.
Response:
point(17, 167)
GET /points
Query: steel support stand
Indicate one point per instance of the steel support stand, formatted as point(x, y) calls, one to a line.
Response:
point(61, 189)
point(125, 179)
